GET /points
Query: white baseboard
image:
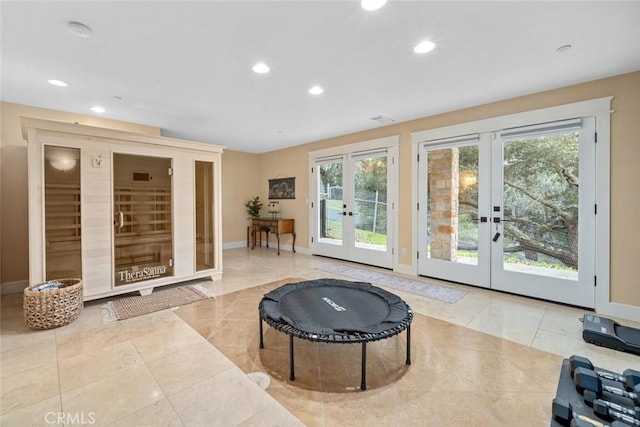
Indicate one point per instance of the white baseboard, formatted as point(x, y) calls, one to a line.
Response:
point(621, 311)
point(243, 244)
point(234, 245)
point(14, 287)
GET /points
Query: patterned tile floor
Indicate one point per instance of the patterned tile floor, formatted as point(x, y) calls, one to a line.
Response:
point(488, 359)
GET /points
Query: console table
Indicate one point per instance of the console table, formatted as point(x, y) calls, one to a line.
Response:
point(277, 226)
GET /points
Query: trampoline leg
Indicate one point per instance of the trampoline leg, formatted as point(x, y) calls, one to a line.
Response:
point(261, 340)
point(292, 374)
point(408, 362)
point(363, 382)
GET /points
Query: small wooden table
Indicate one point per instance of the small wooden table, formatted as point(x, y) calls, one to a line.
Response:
point(277, 226)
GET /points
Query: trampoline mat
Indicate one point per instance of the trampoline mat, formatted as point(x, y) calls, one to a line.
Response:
point(327, 307)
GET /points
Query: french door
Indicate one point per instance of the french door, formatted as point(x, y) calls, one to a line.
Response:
point(512, 210)
point(352, 207)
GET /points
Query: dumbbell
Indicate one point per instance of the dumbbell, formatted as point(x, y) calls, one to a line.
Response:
point(562, 412)
point(590, 397)
point(630, 377)
point(586, 379)
point(577, 422)
point(609, 411)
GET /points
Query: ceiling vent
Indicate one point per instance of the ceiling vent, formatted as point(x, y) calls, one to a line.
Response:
point(382, 120)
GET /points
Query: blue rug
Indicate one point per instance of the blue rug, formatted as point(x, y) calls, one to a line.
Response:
point(425, 289)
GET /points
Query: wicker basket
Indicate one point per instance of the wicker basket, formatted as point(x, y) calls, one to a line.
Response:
point(53, 308)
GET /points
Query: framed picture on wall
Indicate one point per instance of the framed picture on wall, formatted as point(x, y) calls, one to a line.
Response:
point(282, 188)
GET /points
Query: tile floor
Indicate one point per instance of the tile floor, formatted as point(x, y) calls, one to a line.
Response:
point(489, 359)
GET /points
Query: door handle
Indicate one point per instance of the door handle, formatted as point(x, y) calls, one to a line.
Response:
point(120, 219)
point(481, 219)
point(498, 220)
point(350, 213)
point(344, 213)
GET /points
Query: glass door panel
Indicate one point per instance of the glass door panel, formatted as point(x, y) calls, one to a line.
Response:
point(62, 201)
point(204, 215)
point(455, 225)
point(370, 202)
point(540, 202)
point(452, 204)
point(330, 202)
point(143, 238)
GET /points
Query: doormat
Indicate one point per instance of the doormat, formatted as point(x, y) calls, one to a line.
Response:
point(425, 289)
point(128, 307)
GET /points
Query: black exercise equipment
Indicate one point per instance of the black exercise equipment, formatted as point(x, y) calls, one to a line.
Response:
point(611, 411)
point(630, 377)
point(577, 422)
point(586, 379)
point(335, 311)
point(607, 333)
point(590, 397)
point(563, 413)
point(582, 394)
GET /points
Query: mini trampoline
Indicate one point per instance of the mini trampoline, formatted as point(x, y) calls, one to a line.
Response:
point(335, 311)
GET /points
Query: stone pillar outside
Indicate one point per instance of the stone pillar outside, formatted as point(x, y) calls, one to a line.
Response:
point(443, 167)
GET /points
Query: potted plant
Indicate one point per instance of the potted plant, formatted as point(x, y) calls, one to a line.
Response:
point(253, 207)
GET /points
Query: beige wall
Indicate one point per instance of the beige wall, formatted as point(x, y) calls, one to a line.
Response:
point(625, 158)
point(240, 182)
point(245, 175)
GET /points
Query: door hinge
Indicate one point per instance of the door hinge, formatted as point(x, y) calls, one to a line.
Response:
point(595, 137)
point(418, 157)
point(311, 170)
point(418, 255)
point(311, 205)
point(595, 281)
point(418, 206)
point(312, 240)
point(170, 262)
point(595, 209)
point(170, 172)
point(393, 251)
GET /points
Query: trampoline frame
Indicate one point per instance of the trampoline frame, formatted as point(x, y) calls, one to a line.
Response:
point(340, 338)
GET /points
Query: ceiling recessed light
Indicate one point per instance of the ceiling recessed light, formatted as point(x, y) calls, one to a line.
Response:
point(424, 46)
point(58, 83)
point(316, 90)
point(79, 29)
point(372, 4)
point(564, 48)
point(98, 109)
point(261, 68)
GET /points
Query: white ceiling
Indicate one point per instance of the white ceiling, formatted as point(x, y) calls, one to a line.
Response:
point(186, 66)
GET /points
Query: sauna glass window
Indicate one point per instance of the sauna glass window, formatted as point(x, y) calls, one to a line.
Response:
point(62, 213)
point(204, 215)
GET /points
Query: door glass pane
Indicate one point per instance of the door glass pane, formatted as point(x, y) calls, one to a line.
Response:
point(62, 212)
point(540, 205)
point(370, 202)
point(452, 204)
point(330, 202)
point(143, 222)
point(204, 216)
